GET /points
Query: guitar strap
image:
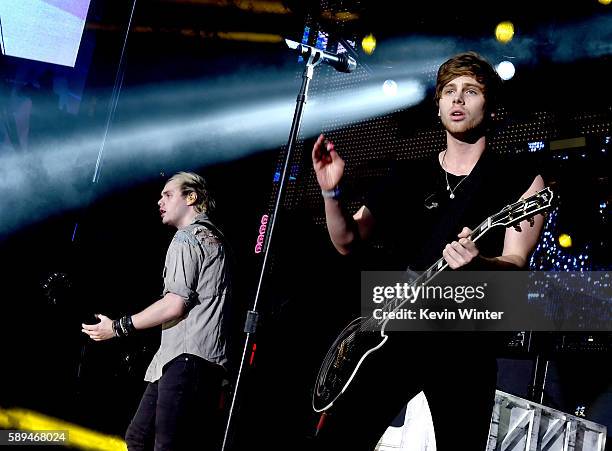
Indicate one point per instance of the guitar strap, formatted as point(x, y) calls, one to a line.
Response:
point(209, 225)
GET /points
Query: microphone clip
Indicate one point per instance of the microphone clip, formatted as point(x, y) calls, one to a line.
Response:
point(341, 62)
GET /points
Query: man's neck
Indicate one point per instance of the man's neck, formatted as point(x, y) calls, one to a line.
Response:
point(460, 156)
point(187, 219)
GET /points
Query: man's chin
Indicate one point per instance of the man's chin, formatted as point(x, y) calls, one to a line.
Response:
point(467, 134)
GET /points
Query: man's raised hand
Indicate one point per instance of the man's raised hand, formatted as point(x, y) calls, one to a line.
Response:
point(328, 165)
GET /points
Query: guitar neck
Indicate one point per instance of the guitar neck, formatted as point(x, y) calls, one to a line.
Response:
point(427, 276)
point(441, 264)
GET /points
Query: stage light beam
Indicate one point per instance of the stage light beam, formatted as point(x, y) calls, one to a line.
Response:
point(177, 126)
point(389, 88)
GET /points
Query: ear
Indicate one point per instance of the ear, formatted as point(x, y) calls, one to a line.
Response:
point(191, 198)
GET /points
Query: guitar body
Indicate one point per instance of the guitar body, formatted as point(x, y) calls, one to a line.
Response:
point(342, 362)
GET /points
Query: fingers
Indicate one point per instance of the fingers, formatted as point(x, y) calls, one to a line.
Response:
point(99, 331)
point(91, 331)
point(324, 151)
point(454, 264)
point(465, 233)
point(94, 326)
point(453, 257)
point(97, 334)
point(468, 244)
point(460, 253)
point(331, 149)
point(327, 164)
point(317, 149)
point(88, 332)
point(321, 151)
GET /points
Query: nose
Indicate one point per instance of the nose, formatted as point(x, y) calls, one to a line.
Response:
point(159, 202)
point(458, 97)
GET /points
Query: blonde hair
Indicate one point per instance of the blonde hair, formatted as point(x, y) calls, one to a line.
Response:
point(190, 182)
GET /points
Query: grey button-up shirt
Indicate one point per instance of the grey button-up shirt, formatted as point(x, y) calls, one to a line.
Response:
point(197, 269)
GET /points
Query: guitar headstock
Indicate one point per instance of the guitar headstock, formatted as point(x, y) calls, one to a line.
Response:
point(513, 214)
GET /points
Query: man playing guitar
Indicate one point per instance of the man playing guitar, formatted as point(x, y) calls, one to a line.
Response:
point(437, 199)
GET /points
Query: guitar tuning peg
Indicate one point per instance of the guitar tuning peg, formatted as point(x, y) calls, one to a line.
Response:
point(518, 228)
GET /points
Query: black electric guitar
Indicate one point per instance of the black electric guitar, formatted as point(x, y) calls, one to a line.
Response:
point(363, 335)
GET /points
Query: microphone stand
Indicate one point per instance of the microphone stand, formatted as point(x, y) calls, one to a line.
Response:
point(250, 325)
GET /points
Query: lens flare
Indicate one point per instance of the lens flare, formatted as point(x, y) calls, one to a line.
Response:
point(504, 32)
point(505, 70)
point(368, 44)
point(390, 88)
point(565, 240)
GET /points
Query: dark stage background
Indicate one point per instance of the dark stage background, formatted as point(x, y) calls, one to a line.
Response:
point(208, 86)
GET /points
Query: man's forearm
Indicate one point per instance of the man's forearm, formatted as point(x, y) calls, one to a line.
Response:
point(341, 226)
point(168, 308)
point(503, 262)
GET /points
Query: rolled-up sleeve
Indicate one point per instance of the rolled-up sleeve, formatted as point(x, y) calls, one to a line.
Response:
point(182, 269)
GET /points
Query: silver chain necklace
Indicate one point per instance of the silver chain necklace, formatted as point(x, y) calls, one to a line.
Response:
point(448, 188)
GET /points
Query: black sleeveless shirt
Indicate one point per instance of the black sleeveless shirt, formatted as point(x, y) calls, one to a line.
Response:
point(415, 217)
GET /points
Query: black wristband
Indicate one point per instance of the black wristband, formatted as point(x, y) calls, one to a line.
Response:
point(127, 327)
point(122, 324)
point(117, 328)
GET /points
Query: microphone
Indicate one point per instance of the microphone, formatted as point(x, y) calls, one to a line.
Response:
point(341, 62)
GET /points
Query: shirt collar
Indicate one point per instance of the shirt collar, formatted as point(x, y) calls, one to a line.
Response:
point(200, 217)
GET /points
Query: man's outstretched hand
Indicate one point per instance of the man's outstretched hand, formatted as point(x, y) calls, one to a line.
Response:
point(101, 331)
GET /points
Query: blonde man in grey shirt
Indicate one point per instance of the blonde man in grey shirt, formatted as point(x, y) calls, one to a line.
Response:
point(185, 375)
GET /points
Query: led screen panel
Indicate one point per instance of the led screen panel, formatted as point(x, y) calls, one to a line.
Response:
point(43, 30)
